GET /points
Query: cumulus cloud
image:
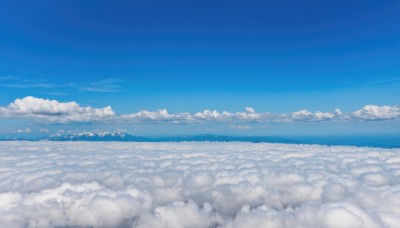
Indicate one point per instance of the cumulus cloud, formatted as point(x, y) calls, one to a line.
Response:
point(82, 184)
point(54, 111)
point(369, 112)
point(374, 112)
point(163, 115)
point(250, 116)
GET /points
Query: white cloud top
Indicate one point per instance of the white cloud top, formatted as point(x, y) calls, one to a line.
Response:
point(374, 112)
point(81, 184)
point(55, 111)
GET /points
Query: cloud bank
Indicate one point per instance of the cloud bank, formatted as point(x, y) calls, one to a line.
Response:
point(63, 112)
point(54, 111)
point(374, 112)
point(66, 184)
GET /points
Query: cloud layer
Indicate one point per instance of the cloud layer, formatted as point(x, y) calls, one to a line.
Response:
point(66, 184)
point(61, 112)
point(104, 85)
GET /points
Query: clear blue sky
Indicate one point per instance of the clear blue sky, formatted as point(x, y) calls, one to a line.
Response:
point(187, 56)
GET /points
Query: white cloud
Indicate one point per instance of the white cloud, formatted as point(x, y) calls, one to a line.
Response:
point(23, 130)
point(374, 112)
point(250, 110)
point(369, 112)
point(240, 127)
point(163, 115)
point(45, 130)
point(54, 111)
point(249, 116)
point(81, 184)
point(26, 83)
point(144, 115)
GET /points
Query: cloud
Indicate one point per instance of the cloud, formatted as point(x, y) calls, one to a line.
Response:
point(81, 184)
point(63, 112)
point(23, 83)
point(45, 130)
point(240, 127)
point(368, 112)
point(162, 115)
point(394, 80)
point(54, 111)
point(374, 112)
point(104, 86)
point(25, 130)
point(250, 116)
point(307, 115)
point(34, 85)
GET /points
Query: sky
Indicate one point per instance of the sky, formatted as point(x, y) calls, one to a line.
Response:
point(123, 62)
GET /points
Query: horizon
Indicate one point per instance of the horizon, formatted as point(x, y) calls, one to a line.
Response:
point(378, 141)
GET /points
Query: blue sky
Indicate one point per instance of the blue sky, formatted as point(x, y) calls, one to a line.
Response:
point(188, 56)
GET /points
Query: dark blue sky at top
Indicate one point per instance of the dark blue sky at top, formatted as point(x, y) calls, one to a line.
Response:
point(191, 55)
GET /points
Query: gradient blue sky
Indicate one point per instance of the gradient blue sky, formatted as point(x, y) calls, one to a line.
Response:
point(187, 56)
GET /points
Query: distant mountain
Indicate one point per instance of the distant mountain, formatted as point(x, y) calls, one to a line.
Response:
point(126, 137)
point(386, 141)
point(97, 136)
point(17, 139)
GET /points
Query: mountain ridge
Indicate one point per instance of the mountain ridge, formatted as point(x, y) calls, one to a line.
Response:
point(126, 137)
point(390, 141)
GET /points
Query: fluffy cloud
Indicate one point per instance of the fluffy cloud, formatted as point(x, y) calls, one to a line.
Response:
point(54, 111)
point(70, 184)
point(374, 112)
point(162, 115)
point(250, 116)
point(369, 112)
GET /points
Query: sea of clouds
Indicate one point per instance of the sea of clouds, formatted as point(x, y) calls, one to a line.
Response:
point(197, 184)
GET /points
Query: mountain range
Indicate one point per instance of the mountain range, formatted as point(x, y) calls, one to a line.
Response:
point(385, 141)
point(126, 137)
